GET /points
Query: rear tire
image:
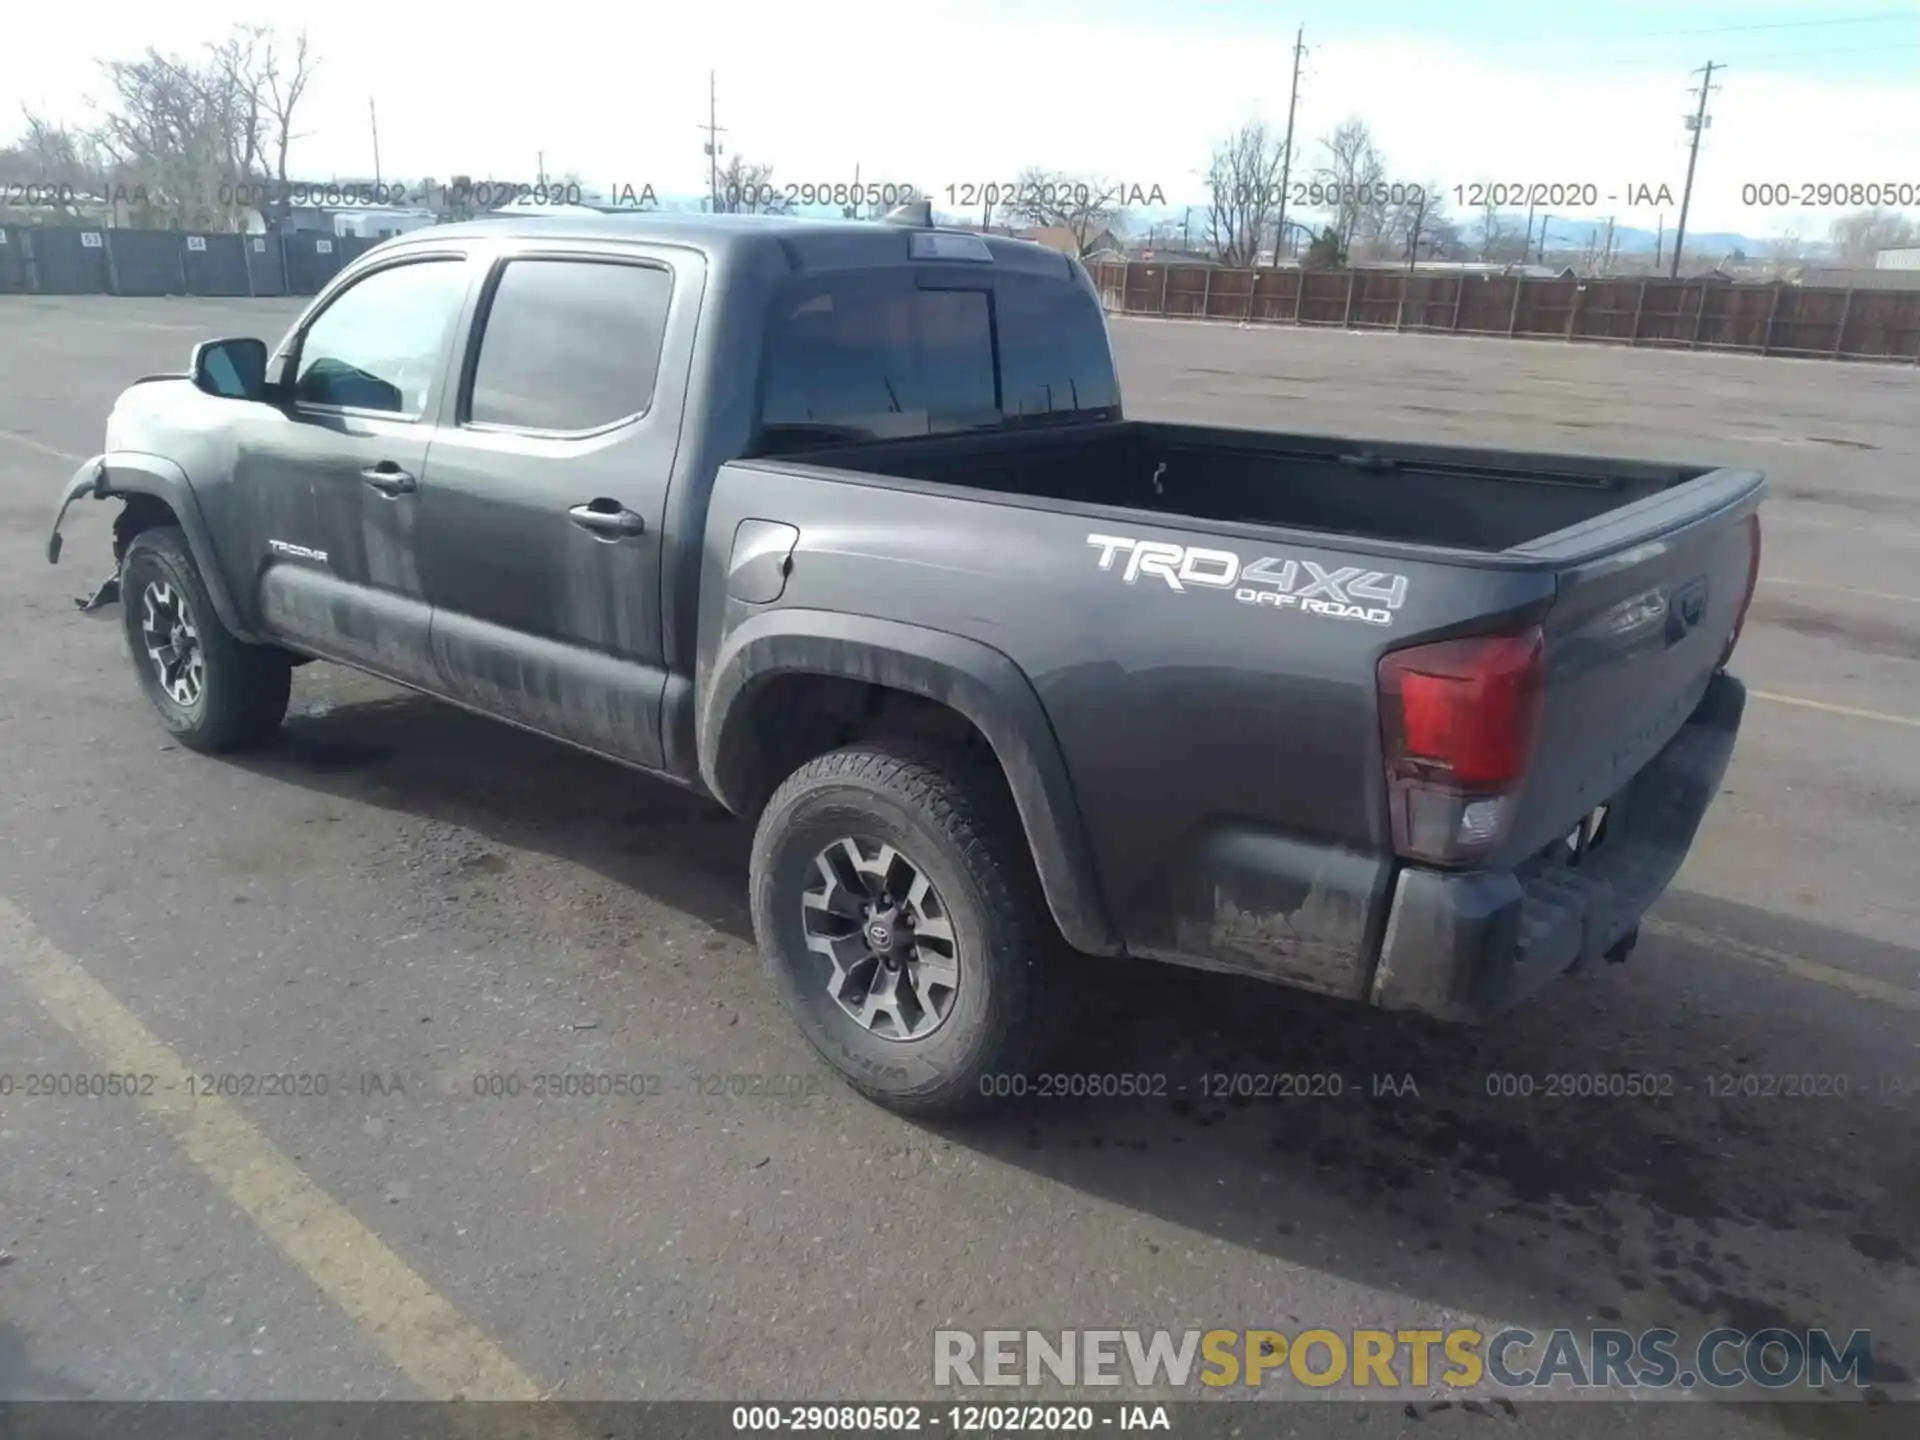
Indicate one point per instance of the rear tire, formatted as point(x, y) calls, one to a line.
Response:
point(212, 691)
point(964, 904)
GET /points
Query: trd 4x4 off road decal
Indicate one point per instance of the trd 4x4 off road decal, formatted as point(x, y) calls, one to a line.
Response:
point(1272, 581)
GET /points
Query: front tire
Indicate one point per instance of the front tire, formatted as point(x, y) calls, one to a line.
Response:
point(212, 691)
point(899, 917)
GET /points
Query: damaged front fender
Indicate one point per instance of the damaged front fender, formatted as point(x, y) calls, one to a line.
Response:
point(89, 479)
point(141, 478)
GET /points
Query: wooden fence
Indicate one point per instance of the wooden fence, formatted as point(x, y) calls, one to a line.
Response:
point(1774, 319)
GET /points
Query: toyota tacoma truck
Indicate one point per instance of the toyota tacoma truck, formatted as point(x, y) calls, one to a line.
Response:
point(842, 524)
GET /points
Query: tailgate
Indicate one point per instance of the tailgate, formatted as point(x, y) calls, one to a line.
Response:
point(1647, 600)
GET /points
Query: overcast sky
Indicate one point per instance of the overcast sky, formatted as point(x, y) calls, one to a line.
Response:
point(951, 92)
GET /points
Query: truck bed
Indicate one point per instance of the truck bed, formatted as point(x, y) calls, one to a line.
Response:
point(1227, 753)
point(1482, 500)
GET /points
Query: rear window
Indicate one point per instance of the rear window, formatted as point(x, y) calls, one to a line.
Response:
point(879, 354)
point(570, 345)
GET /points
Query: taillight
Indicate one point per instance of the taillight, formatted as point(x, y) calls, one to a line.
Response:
point(1459, 719)
point(1753, 579)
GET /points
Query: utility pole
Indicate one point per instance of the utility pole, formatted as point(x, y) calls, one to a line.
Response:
point(374, 121)
point(1545, 221)
point(713, 129)
point(1286, 147)
point(1697, 122)
point(1660, 240)
point(540, 168)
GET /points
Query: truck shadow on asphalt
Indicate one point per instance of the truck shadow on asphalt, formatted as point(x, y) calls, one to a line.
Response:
point(1618, 1152)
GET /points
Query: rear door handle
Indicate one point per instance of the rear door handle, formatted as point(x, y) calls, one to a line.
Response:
point(608, 518)
point(388, 478)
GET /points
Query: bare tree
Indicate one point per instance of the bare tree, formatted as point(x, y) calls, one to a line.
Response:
point(286, 72)
point(1785, 250)
point(1353, 172)
point(1494, 240)
point(1489, 231)
point(231, 90)
point(1324, 251)
point(1243, 193)
point(192, 140)
point(1787, 245)
point(162, 139)
point(748, 188)
point(1860, 234)
point(56, 160)
point(1418, 227)
point(1082, 205)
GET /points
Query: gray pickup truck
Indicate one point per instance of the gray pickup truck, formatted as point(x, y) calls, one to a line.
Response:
point(841, 524)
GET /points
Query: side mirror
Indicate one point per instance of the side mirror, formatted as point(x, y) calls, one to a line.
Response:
point(231, 369)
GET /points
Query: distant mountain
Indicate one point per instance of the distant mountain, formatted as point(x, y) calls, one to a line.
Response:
point(1632, 240)
point(1564, 236)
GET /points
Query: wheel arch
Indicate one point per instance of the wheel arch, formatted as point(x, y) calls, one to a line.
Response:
point(157, 492)
point(749, 692)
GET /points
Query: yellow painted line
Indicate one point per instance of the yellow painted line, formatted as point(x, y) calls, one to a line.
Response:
point(1830, 708)
point(431, 1342)
point(1864, 986)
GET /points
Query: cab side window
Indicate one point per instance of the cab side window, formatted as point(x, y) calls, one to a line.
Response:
point(570, 346)
point(378, 345)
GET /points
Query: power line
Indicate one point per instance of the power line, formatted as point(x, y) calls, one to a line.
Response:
point(1286, 154)
point(1640, 38)
point(1698, 123)
point(1879, 18)
point(1875, 49)
point(713, 129)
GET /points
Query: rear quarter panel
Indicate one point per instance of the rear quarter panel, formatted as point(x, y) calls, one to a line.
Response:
point(1224, 755)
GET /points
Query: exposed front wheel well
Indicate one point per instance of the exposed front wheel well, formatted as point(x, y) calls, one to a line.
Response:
point(141, 512)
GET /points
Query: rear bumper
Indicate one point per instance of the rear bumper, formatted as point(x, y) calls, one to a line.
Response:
point(1467, 946)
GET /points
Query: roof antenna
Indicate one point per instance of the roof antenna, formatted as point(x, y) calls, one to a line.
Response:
point(918, 213)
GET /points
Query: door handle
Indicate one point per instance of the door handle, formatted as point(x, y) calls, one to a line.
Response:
point(388, 478)
point(608, 518)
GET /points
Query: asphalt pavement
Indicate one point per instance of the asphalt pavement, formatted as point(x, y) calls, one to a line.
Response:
point(405, 914)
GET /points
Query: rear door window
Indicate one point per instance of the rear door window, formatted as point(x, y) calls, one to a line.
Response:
point(570, 345)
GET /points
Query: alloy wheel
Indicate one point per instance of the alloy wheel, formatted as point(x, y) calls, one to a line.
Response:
point(894, 966)
point(172, 642)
